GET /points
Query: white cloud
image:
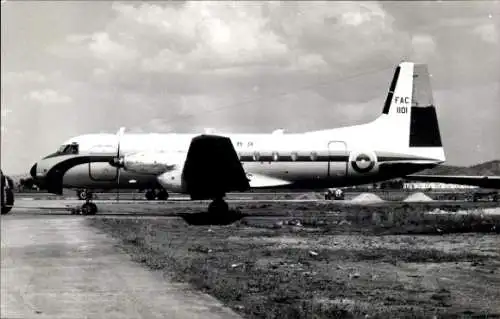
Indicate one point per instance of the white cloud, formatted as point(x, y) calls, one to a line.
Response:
point(346, 35)
point(48, 96)
point(237, 37)
point(157, 125)
point(102, 47)
point(487, 32)
point(205, 36)
point(17, 78)
point(360, 15)
point(423, 47)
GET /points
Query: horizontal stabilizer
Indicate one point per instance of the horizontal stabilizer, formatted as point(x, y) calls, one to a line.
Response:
point(481, 181)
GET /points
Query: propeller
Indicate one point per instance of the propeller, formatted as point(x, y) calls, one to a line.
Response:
point(118, 160)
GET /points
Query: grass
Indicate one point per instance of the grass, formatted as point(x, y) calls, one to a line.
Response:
point(319, 264)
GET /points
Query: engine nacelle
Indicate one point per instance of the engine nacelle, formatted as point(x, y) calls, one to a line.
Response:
point(172, 180)
point(153, 163)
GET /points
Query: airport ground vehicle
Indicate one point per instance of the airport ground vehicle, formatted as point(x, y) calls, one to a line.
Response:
point(334, 193)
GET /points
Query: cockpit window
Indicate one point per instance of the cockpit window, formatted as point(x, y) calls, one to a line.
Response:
point(68, 149)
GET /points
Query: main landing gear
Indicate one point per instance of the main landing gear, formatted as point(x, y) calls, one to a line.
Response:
point(218, 214)
point(88, 208)
point(218, 207)
point(152, 194)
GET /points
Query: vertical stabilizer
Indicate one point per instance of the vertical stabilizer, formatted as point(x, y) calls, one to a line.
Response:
point(409, 120)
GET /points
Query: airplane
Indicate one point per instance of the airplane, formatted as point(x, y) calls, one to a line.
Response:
point(404, 139)
point(490, 183)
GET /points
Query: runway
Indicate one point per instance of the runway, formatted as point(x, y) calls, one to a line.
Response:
point(61, 268)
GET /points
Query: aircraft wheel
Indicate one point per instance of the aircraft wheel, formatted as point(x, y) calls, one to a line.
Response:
point(89, 209)
point(162, 195)
point(150, 194)
point(83, 194)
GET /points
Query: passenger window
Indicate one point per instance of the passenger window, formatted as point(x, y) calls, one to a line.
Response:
point(256, 156)
point(294, 156)
point(314, 156)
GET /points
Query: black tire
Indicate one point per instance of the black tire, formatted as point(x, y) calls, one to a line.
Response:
point(82, 194)
point(150, 195)
point(162, 195)
point(218, 207)
point(89, 209)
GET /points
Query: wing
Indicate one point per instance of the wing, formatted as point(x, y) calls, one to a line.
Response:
point(212, 168)
point(481, 181)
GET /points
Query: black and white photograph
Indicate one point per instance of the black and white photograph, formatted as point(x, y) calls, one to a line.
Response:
point(250, 159)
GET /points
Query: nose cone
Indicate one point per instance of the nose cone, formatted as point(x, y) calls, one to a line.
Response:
point(33, 171)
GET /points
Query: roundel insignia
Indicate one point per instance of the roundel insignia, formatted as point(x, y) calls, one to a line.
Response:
point(363, 163)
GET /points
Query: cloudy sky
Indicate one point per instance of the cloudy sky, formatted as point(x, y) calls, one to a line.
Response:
point(70, 68)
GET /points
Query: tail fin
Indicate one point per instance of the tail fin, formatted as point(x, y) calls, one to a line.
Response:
point(409, 118)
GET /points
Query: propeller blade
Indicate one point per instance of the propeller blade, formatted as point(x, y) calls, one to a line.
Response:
point(119, 136)
point(118, 189)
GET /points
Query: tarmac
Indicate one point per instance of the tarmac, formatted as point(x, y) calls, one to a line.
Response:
point(54, 267)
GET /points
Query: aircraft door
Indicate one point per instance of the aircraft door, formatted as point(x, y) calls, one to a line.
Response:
point(337, 159)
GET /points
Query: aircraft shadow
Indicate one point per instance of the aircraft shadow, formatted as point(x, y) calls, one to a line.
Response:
point(205, 218)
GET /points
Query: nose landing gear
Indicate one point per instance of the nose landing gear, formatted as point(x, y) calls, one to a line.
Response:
point(89, 208)
point(84, 194)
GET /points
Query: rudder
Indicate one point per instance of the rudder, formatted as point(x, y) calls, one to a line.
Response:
point(424, 126)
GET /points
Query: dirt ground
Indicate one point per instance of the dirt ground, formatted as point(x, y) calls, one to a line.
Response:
point(330, 262)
